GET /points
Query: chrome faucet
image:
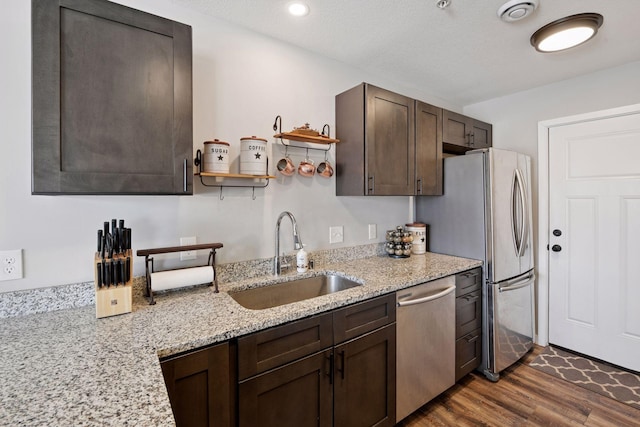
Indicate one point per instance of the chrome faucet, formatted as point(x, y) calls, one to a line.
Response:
point(297, 242)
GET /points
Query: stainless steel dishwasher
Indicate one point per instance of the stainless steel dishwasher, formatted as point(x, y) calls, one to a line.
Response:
point(425, 343)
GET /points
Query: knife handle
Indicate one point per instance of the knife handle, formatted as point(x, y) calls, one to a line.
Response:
point(127, 269)
point(121, 265)
point(114, 272)
point(99, 241)
point(128, 239)
point(99, 274)
point(106, 269)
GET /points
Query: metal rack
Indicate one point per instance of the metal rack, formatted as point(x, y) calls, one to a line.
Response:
point(324, 138)
point(148, 262)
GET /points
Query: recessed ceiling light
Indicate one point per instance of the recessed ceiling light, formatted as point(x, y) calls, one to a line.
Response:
point(298, 9)
point(566, 32)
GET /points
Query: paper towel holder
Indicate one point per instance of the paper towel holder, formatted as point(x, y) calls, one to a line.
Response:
point(148, 262)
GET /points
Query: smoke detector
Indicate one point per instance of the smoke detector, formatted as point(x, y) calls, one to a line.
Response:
point(515, 10)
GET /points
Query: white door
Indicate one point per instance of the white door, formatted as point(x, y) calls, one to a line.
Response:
point(594, 226)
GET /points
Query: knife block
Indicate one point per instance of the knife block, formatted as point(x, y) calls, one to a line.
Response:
point(113, 300)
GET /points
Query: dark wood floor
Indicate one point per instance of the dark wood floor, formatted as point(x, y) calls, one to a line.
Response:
point(523, 396)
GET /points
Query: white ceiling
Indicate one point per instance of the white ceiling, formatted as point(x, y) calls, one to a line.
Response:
point(464, 53)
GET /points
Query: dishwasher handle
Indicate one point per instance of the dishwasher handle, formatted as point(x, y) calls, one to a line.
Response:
point(435, 296)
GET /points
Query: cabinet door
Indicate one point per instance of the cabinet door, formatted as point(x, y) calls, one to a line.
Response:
point(273, 347)
point(468, 313)
point(428, 149)
point(200, 387)
point(468, 353)
point(456, 129)
point(298, 394)
point(357, 319)
point(389, 143)
point(365, 380)
point(468, 281)
point(112, 100)
point(482, 135)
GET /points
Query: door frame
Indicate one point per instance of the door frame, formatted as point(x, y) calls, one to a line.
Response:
point(543, 204)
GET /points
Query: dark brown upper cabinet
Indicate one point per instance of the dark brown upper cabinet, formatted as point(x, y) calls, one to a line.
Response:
point(389, 144)
point(462, 133)
point(112, 100)
point(428, 150)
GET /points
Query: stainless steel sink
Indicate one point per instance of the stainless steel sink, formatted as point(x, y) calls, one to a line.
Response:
point(293, 291)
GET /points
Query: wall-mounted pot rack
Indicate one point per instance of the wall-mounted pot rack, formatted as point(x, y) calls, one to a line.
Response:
point(220, 178)
point(323, 138)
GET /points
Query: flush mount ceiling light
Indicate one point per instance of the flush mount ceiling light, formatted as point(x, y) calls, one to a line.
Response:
point(515, 10)
point(298, 9)
point(566, 32)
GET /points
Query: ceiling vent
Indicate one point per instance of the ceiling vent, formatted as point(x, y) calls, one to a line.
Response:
point(515, 10)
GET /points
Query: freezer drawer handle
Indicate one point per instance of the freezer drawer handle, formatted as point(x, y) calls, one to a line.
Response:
point(518, 284)
point(441, 294)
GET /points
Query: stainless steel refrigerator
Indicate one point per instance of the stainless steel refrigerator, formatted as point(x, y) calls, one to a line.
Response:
point(485, 213)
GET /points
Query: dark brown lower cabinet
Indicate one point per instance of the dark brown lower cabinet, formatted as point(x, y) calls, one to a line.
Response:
point(296, 394)
point(294, 374)
point(468, 353)
point(468, 321)
point(201, 386)
point(365, 380)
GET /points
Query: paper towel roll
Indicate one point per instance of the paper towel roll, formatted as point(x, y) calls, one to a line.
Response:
point(172, 279)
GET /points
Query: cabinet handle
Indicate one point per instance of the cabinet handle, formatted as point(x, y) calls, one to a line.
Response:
point(184, 176)
point(470, 297)
point(342, 367)
point(470, 139)
point(419, 186)
point(372, 184)
point(471, 338)
point(331, 368)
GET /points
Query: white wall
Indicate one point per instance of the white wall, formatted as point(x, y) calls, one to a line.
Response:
point(241, 81)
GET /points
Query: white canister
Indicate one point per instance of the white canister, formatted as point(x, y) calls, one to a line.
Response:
point(420, 237)
point(253, 156)
point(215, 157)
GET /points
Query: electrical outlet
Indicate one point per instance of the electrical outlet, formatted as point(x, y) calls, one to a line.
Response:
point(336, 234)
point(187, 255)
point(11, 264)
point(373, 232)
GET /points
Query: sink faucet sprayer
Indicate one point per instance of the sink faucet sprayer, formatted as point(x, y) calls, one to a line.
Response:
point(297, 241)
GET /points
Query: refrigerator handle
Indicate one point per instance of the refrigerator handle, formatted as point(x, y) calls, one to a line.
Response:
point(514, 222)
point(525, 218)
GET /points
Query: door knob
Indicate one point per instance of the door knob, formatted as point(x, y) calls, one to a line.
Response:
point(557, 233)
point(556, 248)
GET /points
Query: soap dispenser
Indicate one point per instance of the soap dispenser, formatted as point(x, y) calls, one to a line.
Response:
point(302, 261)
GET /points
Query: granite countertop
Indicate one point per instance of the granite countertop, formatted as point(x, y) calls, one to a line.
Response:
point(69, 368)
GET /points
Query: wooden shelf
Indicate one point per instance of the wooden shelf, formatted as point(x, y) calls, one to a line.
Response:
point(233, 175)
point(306, 138)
